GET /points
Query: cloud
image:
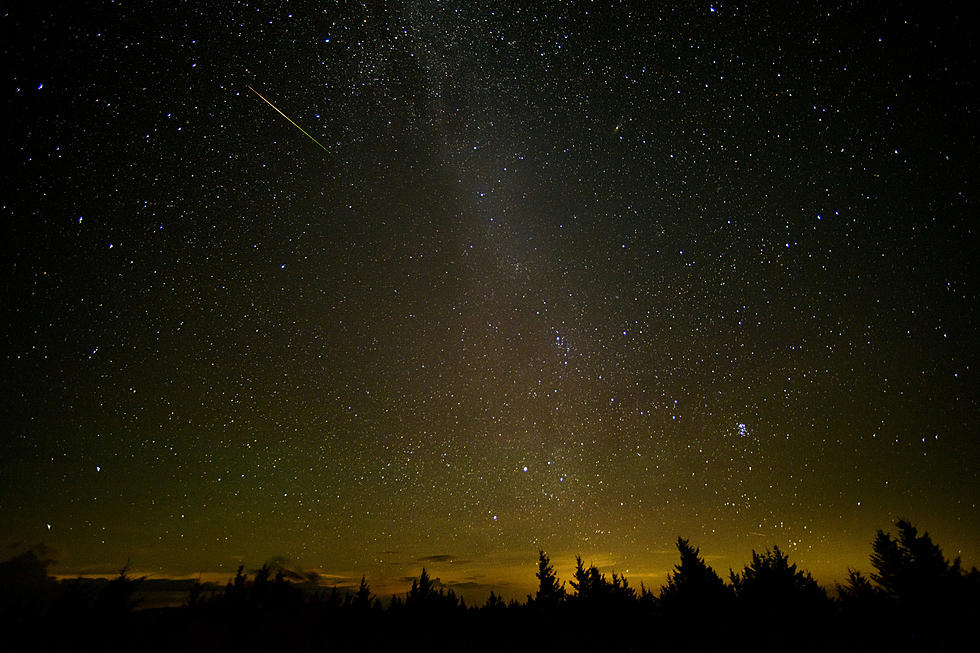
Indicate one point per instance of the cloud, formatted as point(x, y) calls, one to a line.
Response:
point(436, 582)
point(292, 571)
point(471, 586)
point(41, 550)
point(443, 557)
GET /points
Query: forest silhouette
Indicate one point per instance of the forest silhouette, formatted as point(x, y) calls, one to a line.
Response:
point(914, 600)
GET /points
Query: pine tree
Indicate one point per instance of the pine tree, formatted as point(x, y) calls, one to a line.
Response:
point(580, 579)
point(422, 591)
point(911, 568)
point(857, 587)
point(117, 597)
point(362, 599)
point(550, 593)
point(693, 583)
point(494, 602)
point(770, 582)
point(621, 589)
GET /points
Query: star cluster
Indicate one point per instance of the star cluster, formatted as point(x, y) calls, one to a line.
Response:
point(575, 277)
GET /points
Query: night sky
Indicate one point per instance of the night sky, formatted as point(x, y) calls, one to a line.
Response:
point(575, 276)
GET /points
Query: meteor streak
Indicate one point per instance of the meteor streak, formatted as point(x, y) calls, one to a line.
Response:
point(288, 118)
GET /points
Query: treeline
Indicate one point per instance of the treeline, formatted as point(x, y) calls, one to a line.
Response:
point(915, 599)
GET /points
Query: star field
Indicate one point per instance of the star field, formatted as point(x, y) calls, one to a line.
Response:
point(576, 277)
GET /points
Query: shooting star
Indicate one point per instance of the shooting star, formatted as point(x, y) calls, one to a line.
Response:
point(288, 118)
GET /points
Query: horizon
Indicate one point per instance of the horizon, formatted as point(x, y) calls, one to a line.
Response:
point(515, 581)
point(912, 584)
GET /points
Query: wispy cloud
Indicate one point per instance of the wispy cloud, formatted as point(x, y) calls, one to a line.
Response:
point(442, 557)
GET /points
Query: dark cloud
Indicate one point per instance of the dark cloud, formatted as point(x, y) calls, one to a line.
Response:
point(472, 586)
point(442, 557)
point(436, 582)
point(293, 571)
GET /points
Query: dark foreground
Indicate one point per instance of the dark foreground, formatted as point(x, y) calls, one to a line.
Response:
point(915, 601)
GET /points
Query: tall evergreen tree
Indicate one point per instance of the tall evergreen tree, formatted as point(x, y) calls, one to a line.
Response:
point(118, 596)
point(580, 579)
point(550, 593)
point(589, 584)
point(857, 588)
point(933, 598)
point(771, 583)
point(422, 590)
point(911, 568)
point(494, 602)
point(693, 585)
point(362, 599)
point(621, 589)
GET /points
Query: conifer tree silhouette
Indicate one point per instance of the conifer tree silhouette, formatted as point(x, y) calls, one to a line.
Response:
point(621, 590)
point(911, 568)
point(362, 600)
point(550, 593)
point(24, 582)
point(857, 587)
point(693, 585)
point(770, 583)
point(580, 579)
point(195, 597)
point(260, 592)
point(235, 590)
point(494, 602)
point(914, 597)
point(589, 584)
point(647, 597)
point(935, 601)
point(421, 591)
point(118, 598)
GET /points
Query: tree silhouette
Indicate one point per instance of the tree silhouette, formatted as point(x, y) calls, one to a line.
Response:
point(494, 602)
point(693, 585)
point(362, 600)
point(195, 597)
point(261, 592)
point(550, 593)
point(647, 598)
point(621, 590)
point(592, 588)
point(857, 588)
point(911, 568)
point(580, 579)
point(914, 585)
point(116, 598)
point(863, 607)
point(236, 590)
point(421, 591)
point(24, 583)
point(936, 601)
point(589, 584)
point(915, 599)
point(424, 596)
point(771, 584)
